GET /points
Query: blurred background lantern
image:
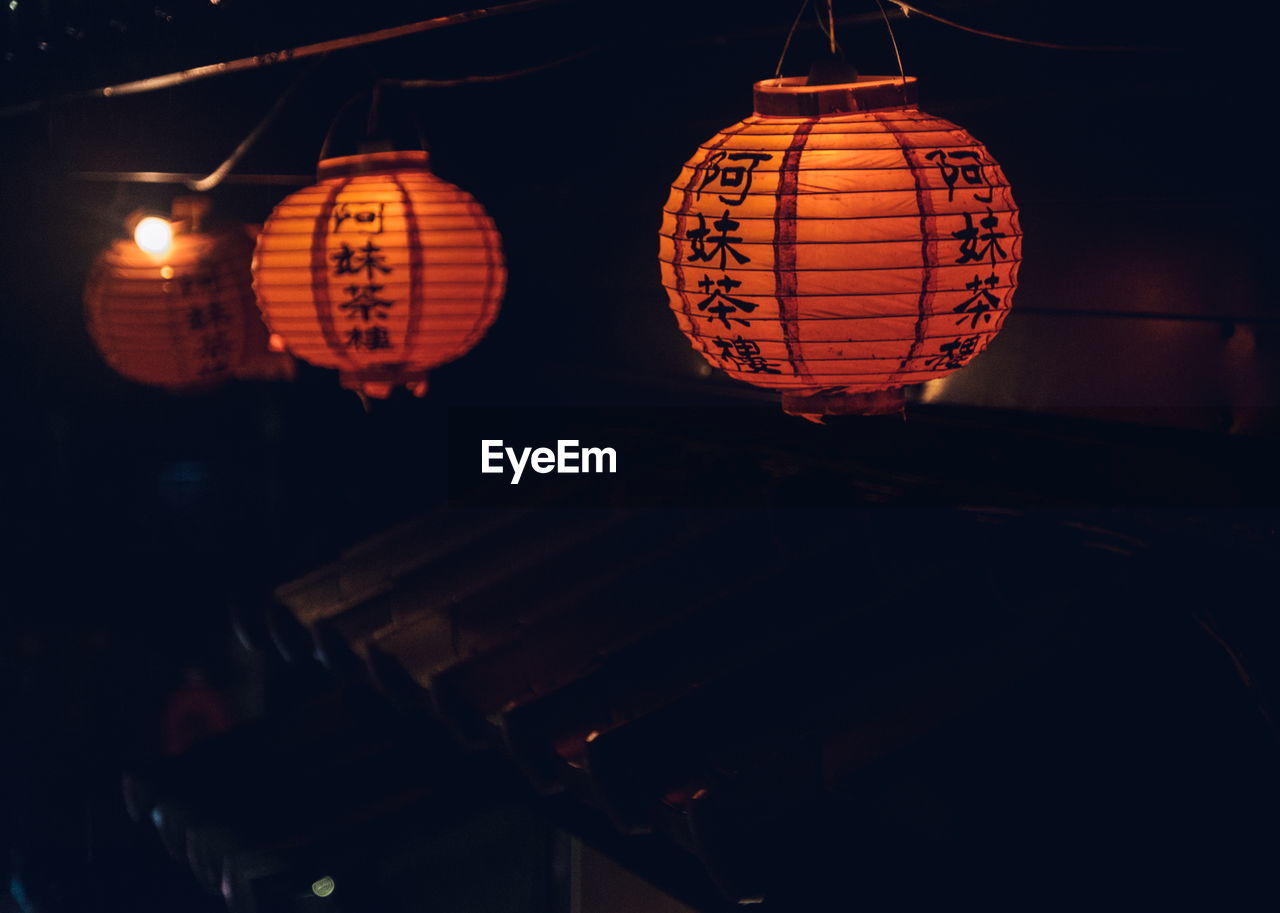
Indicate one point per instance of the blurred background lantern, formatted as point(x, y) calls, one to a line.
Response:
point(173, 306)
point(840, 245)
point(381, 270)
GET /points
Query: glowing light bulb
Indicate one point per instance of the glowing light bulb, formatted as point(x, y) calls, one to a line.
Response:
point(153, 234)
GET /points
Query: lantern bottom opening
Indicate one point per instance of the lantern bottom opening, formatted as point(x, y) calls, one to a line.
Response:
point(814, 406)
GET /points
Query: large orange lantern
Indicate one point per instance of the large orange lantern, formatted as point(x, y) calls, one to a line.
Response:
point(840, 245)
point(381, 270)
point(173, 306)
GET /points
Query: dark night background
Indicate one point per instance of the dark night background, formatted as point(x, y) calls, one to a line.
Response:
point(1136, 384)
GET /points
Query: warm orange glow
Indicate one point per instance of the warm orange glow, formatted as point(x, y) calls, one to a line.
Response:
point(840, 245)
point(381, 270)
point(153, 234)
point(183, 319)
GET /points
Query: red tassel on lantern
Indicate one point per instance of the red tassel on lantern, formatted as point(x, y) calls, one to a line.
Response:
point(840, 245)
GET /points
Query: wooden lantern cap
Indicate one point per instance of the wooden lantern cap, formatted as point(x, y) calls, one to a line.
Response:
point(792, 96)
point(372, 163)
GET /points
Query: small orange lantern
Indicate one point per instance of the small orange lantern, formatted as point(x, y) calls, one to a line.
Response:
point(840, 245)
point(382, 270)
point(174, 308)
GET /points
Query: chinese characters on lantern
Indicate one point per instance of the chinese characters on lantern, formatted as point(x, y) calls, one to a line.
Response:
point(982, 242)
point(745, 355)
point(727, 176)
point(719, 304)
point(361, 264)
point(965, 165)
point(734, 177)
point(954, 354)
point(207, 316)
point(839, 245)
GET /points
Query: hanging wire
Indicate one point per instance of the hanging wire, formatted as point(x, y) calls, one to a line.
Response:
point(893, 39)
point(827, 24)
point(177, 177)
point(786, 45)
point(908, 9)
point(375, 101)
point(1205, 621)
point(223, 172)
point(497, 77)
point(182, 77)
point(213, 179)
point(375, 110)
point(821, 20)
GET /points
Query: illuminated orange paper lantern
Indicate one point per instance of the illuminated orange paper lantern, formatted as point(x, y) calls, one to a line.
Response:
point(840, 245)
point(381, 270)
point(174, 307)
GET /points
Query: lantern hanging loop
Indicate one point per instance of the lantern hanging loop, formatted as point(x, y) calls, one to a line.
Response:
point(820, 16)
point(834, 69)
point(337, 119)
point(786, 45)
point(372, 119)
point(373, 122)
point(905, 9)
point(893, 39)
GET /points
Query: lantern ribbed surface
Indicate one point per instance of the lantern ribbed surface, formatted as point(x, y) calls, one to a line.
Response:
point(183, 319)
point(381, 270)
point(838, 244)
